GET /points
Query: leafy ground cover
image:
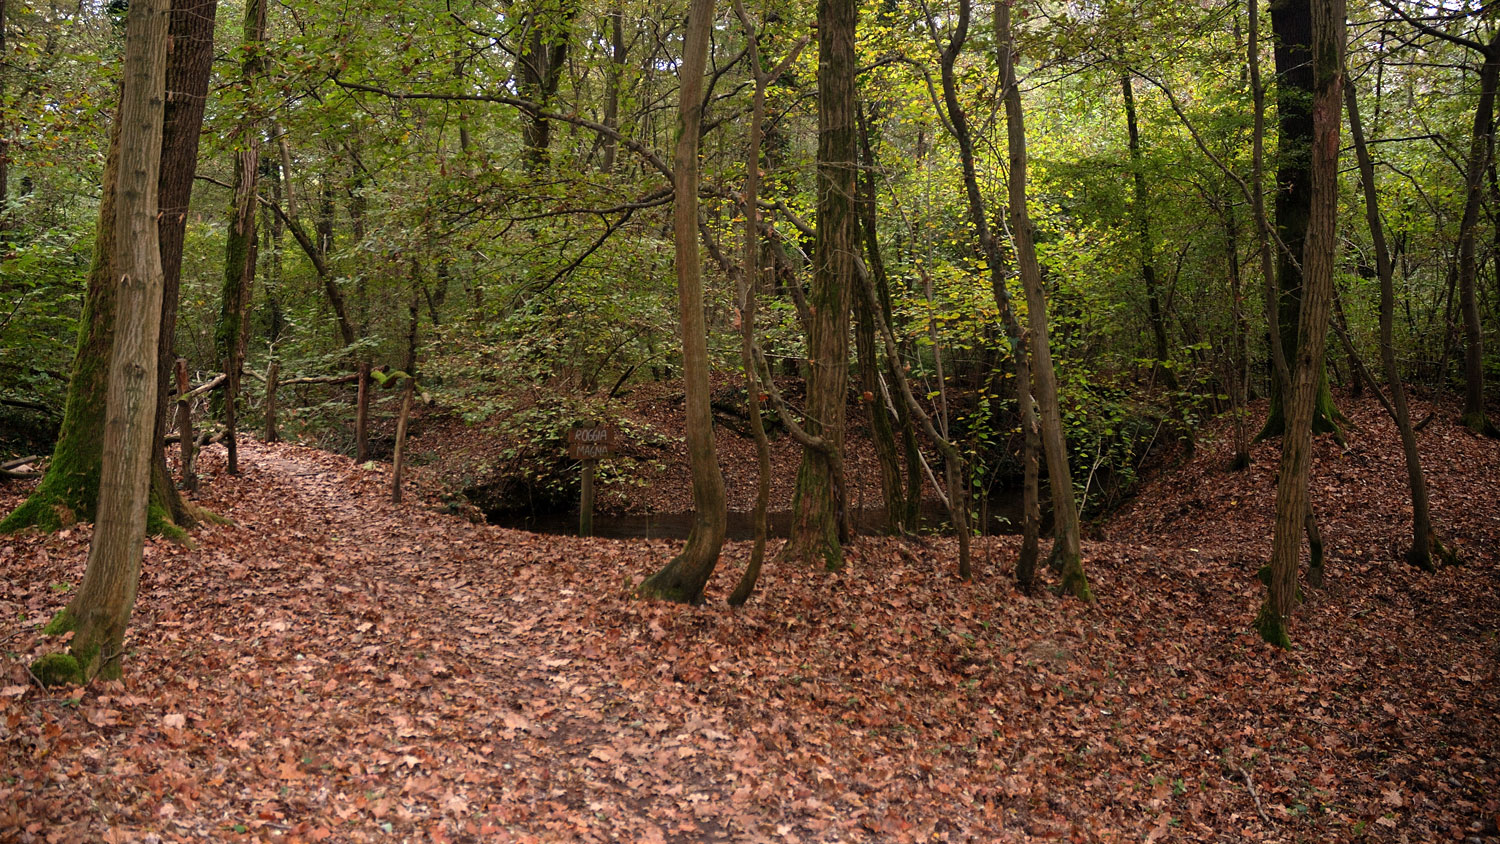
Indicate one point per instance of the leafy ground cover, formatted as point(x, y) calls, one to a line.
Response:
point(336, 668)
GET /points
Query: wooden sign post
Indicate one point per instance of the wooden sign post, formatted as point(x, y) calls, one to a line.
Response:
point(589, 445)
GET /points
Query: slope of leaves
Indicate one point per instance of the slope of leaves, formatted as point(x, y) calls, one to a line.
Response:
point(337, 668)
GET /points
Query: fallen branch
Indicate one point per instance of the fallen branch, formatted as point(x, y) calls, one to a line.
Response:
point(1249, 783)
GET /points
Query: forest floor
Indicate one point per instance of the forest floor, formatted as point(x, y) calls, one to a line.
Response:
point(333, 667)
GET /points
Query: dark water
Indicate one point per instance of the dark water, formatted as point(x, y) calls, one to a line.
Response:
point(1004, 513)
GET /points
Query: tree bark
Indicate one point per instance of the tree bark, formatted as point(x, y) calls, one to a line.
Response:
point(1292, 500)
point(1145, 248)
point(819, 519)
point(100, 611)
point(1420, 553)
point(1291, 22)
point(1067, 548)
point(684, 577)
point(240, 250)
point(1474, 416)
point(189, 65)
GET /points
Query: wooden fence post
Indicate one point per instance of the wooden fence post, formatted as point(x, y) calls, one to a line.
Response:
point(272, 372)
point(399, 459)
point(185, 435)
point(362, 416)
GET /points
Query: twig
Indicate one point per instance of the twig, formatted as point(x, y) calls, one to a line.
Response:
point(1249, 783)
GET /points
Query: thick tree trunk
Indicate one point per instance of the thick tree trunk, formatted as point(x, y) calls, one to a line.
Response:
point(100, 611)
point(613, 81)
point(240, 250)
point(1067, 548)
point(189, 65)
point(684, 577)
point(1474, 416)
point(1292, 23)
point(70, 490)
point(1292, 501)
point(819, 519)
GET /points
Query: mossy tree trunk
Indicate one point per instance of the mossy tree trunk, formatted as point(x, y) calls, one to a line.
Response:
point(241, 244)
point(819, 517)
point(1291, 22)
point(684, 577)
point(1293, 507)
point(1067, 548)
point(100, 611)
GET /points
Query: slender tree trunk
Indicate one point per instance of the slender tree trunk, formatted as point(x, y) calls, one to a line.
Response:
point(1292, 500)
point(1474, 416)
point(273, 372)
point(100, 611)
point(398, 460)
point(616, 77)
point(684, 577)
point(819, 518)
point(362, 414)
point(1067, 548)
point(748, 280)
point(1423, 535)
point(187, 440)
point(240, 250)
point(881, 433)
point(1141, 214)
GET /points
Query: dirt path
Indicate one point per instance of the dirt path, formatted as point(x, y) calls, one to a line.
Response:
point(336, 668)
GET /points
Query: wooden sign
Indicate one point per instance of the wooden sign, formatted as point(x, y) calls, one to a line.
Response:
point(593, 443)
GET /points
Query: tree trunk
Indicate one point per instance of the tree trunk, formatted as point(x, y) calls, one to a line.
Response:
point(1474, 416)
point(1292, 501)
point(187, 440)
point(613, 81)
point(684, 577)
point(1067, 548)
point(273, 372)
point(240, 250)
point(398, 460)
point(69, 492)
point(819, 520)
point(748, 281)
point(1420, 553)
point(362, 414)
point(1144, 246)
point(100, 611)
point(1292, 23)
point(189, 65)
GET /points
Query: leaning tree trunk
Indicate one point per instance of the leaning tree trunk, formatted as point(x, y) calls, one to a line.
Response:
point(100, 611)
point(1423, 537)
point(240, 249)
point(1293, 505)
point(1067, 549)
point(684, 577)
point(1474, 416)
point(819, 523)
point(188, 68)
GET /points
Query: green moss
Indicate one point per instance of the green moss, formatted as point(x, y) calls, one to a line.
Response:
point(1479, 423)
point(61, 623)
point(1075, 582)
point(1272, 628)
point(58, 670)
